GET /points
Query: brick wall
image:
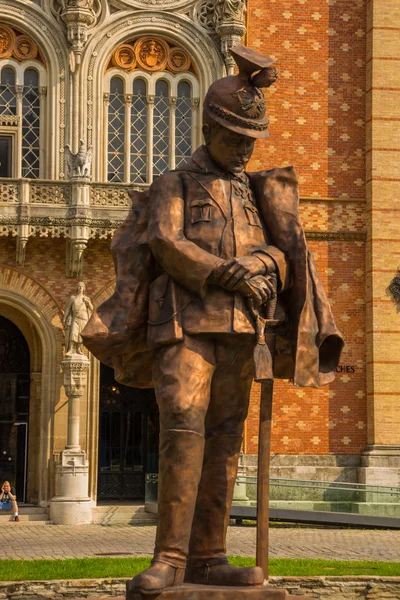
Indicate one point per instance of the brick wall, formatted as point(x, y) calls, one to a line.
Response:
point(317, 113)
point(45, 261)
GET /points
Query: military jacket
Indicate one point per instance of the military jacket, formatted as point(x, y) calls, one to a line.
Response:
point(198, 217)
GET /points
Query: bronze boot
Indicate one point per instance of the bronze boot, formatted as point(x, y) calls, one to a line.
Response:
point(207, 562)
point(181, 456)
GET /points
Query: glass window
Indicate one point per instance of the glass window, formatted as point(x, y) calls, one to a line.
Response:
point(183, 124)
point(139, 132)
point(116, 131)
point(30, 125)
point(144, 141)
point(8, 98)
point(161, 127)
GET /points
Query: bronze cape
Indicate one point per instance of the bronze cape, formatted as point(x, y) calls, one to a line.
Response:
point(119, 333)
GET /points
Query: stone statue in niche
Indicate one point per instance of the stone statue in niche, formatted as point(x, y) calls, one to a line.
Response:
point(230, 10)
point(77, 313)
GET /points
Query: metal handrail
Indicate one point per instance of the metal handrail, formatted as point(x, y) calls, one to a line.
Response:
point(304, 483)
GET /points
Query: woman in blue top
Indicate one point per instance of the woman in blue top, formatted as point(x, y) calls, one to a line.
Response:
point(8, 499)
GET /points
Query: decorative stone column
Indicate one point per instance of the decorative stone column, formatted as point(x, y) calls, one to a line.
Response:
point(230, 25)
point(72, 504)
point(381, 459)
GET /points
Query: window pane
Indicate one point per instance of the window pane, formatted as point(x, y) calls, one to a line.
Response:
point(8, 99)
point(31, 77)
point(139, 132)
point(161, 129)
point(116, 131)
point(183, 124)
point(30, 124)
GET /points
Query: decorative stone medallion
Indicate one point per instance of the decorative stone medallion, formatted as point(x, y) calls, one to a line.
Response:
point(152, 53)
point(7, 41)
point(25, 48)
point(178, 60)
point(17, 45)
point(124, 57)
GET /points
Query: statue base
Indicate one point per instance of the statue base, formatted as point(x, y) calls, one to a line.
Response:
point(213, 592)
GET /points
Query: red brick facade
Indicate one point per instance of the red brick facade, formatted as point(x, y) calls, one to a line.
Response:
point(317, 124)
point(317, 114)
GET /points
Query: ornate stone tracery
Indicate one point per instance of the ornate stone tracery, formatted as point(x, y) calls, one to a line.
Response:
point(150, 53)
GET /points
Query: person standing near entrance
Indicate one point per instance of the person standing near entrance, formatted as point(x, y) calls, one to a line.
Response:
point(8, 499)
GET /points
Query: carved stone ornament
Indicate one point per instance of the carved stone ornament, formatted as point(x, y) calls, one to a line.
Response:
point(16, 45)
point(205, 15)
point(150, 54)
point(25, 48)
point(178, 60)
point(230, 10)
point(80, 164)
point(77, 313)
point(78, 16)
point(124, 57)
point(7, 41)
point(75, 250)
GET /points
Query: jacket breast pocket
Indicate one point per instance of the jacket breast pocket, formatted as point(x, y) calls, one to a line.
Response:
point(200, 210)
point(252, 215)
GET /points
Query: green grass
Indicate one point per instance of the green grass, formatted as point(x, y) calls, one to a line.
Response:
point(94, 568)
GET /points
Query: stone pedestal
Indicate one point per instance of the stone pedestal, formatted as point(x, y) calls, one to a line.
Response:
point(380, 465)
point(210, 592)
point(71, 504)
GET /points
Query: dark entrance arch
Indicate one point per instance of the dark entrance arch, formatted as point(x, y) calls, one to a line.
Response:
point(128, 439)
point(14, 406)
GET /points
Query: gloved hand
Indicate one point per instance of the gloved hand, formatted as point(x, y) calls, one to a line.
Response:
point(258, 289)
point(235, 270)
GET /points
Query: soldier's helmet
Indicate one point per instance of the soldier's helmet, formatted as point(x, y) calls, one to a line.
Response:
point(237, 102)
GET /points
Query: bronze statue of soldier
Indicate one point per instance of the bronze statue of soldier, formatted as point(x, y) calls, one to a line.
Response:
point(222, 243)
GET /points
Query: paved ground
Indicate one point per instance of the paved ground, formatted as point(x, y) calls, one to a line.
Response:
point(61, 541)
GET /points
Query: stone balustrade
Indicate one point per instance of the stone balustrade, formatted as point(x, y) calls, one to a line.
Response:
point(79, 210)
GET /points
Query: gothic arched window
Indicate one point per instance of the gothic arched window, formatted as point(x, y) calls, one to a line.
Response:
point(8, 94)
point(31, 124)
point(139, 132)
point(116, 131)
point(152, 116)
point(183, 123)
point(22, 94)
point(161, 127)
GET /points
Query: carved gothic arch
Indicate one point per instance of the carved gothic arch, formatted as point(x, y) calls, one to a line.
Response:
point(30, 19)
point(27, 303)
point(172, 26)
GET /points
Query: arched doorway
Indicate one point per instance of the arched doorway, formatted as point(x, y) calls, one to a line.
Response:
point(14, 406)
point(128, 439)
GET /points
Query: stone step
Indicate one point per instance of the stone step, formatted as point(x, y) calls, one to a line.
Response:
point(125, 514)
point(28, 515)
point(31, 510)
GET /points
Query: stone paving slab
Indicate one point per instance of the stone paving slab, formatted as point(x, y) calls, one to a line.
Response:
point(65, 541)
